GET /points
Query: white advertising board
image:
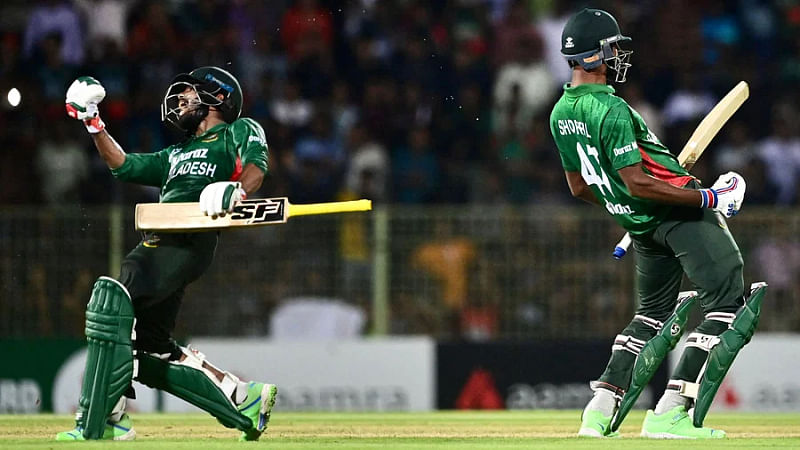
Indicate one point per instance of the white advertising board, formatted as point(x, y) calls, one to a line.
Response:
point(386, 374)
point(765, 376)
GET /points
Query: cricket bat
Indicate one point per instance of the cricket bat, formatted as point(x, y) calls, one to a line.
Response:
point(702, 136)
point(186, 217)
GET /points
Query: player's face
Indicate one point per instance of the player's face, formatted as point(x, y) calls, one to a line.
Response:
point(188, 100)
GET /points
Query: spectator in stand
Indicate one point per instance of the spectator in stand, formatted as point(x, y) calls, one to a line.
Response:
point(368, 165)
point(52, 73)
point(516, 26)
point(318, 164)
point(106, 23)
point(691, 101)
point(720, 31)
point(780, 153)
point(737, 150)
point(344, 113)
point(62, 165)
point(634, 95)
point(306, 27)
point(415, 169)
point(527, 70)
point(290, 109)
point(55, 17)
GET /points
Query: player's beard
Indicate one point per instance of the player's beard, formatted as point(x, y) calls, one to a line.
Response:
point(190, 120)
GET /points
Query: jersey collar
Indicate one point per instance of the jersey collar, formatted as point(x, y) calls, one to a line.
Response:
point(584, 89)
point(213, 129)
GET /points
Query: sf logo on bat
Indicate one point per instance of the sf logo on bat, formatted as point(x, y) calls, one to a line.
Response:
point(260, 210)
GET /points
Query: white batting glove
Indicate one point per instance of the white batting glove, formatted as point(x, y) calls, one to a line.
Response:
point(726, 194)
point(218, 199)
point(83, 96)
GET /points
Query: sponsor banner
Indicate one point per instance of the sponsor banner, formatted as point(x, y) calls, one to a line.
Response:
point(363, 375)
point(525, 375)
point(27, 372)
point(391, 374)
point(763, 377)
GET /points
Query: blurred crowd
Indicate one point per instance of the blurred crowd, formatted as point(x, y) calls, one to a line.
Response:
point(404, 101)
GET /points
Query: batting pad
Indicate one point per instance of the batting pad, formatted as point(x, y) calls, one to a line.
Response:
point(722, 354)
point(109, 362)
point(653, 353)
point(192, 385)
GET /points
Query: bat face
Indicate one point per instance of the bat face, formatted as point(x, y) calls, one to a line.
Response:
point(259, 211)
point(186, 217)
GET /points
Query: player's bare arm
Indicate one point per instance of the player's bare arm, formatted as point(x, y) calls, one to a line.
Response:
point(643, 185)
point(579, 188)
point(108, 148)
point(251, 179)
point(726, 195)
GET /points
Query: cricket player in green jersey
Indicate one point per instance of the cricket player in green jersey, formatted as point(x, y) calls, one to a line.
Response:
point(130, 319)
point(612, 159)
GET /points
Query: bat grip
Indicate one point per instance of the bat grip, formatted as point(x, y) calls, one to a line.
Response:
point(622, 246)
point(330, 207)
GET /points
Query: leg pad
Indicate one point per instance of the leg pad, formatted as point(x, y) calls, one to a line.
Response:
point(728, 344)
point(109, 362)
point(653, 353)
point(192, 385)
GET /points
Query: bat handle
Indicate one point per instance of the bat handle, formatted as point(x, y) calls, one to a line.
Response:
point(622, 246)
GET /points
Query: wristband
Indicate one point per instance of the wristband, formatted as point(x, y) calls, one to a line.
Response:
point(94, 125)
point(708, 198)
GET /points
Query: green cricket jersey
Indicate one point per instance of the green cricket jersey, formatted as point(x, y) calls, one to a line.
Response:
point(184, 169)
point(597, 134)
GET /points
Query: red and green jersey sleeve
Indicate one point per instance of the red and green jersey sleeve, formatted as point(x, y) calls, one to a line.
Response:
point(250, 143)
point(598, 134)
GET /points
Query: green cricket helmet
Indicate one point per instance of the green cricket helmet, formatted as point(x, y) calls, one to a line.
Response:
point(590, 38)
point(207, 83)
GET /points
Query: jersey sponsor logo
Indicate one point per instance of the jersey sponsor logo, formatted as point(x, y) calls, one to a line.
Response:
point(259, 211)
point(622, 150)
point(199, 153)
point(617, 208)
point(569, 126)
point(254, 138)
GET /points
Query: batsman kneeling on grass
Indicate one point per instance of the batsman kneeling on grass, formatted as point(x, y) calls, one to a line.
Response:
point(612, 159)
point(129, 320)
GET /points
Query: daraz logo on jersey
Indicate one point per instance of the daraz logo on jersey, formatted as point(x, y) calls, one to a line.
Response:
point(625, 149)
point(617, 208)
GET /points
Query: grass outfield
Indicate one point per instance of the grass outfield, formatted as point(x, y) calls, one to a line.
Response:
point(469, 430)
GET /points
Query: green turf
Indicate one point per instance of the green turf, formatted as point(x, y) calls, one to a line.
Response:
point(468, 430)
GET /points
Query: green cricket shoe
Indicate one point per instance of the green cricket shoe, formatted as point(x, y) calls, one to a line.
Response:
point(594, 424)
point(676, 424)
point(258, 407)
point(115, 431)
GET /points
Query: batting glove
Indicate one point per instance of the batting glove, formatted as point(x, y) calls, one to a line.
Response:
point(726, 194)
point(218, 199)
point(83, 96)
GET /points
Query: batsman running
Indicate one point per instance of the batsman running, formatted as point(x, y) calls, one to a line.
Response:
point(612, 159)
point(130, 320)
